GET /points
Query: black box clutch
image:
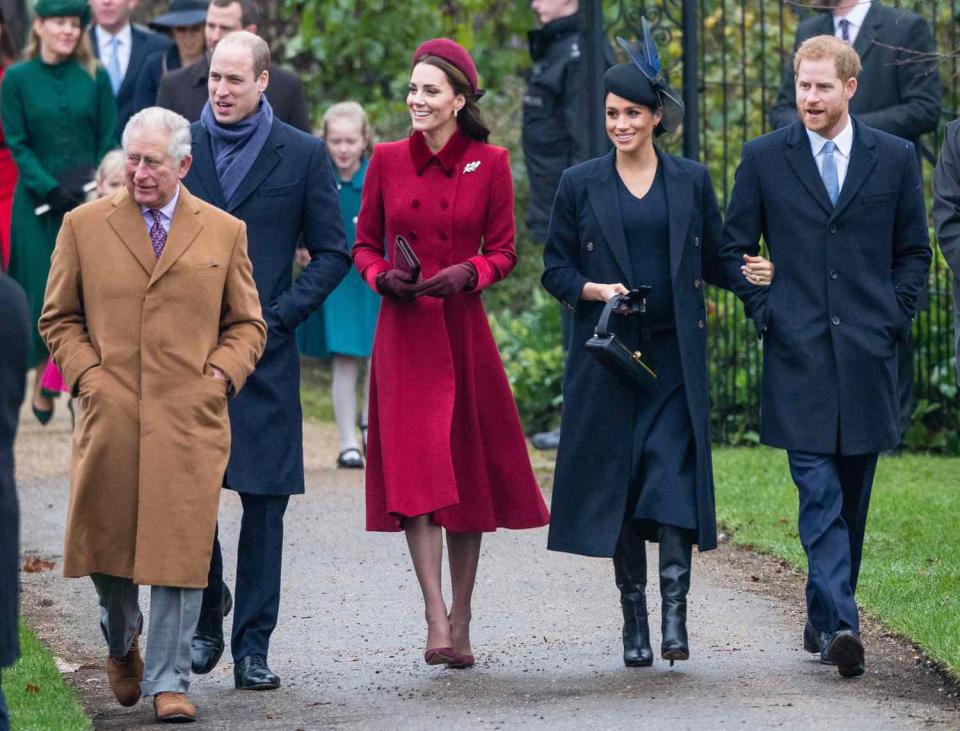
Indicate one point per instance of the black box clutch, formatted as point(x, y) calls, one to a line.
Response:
point(611, 352)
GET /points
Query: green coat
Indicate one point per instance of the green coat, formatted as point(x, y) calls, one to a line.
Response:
point(55, 118)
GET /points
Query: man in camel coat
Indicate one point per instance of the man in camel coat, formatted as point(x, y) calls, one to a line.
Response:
point(152, 314)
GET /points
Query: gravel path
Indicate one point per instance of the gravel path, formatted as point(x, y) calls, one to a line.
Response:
point(546, 632)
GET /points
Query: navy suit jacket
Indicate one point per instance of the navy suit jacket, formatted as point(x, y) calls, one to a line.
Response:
point(14, 334)
point(586, 243)
point(290, 195)
point(134, 94)
point(845, 288)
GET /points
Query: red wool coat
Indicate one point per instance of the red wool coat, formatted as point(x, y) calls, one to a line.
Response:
point(444, 434)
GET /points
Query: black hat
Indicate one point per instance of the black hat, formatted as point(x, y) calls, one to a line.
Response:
point(182, 13)
point(643, 81)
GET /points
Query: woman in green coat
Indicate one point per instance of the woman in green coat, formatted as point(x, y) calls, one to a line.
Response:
point(59, 117)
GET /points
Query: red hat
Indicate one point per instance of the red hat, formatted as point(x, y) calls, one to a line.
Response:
point(454, 53)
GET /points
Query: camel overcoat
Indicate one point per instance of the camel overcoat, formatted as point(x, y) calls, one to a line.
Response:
point(135, 337)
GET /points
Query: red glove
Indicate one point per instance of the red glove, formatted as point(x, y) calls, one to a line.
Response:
point(394, 283)
point(449, 281)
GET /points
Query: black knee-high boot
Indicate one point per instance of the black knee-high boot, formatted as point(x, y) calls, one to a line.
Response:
point(676, 547)
point(630, 570)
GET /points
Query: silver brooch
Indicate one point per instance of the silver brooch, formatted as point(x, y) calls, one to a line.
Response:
point(471, 167)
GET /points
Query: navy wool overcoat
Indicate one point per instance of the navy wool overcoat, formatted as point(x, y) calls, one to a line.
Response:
point(289, 196)
point(846, 285)
point(586, 243)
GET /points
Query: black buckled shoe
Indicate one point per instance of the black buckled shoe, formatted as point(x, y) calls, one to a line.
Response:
point(630, 571)
point(206, 647)
point(845, 650)
point(252, 673)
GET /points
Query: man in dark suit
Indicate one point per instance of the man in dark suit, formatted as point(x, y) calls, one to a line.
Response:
point(840, 206)
point(898, 92)
point(946, 214)
point(280, 182)
point(123, 49)
point(185, 90)
point(14, 334)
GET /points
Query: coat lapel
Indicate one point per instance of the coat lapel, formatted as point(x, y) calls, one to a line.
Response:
point(602, 192)
point(872, 23)
point(206, 168)
point(800, 159)
point(679, 189)
point(127, 221)
point(184, 228)
point(266, 161)
point(863, 160)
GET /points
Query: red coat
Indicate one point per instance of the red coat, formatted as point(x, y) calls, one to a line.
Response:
point(444, 434)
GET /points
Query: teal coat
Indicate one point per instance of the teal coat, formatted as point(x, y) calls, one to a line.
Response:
point(55, 118)
point(344, 325)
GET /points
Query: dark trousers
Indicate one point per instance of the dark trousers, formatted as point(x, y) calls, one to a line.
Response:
point(4, 713)
point(256, 601)
point(834, 498)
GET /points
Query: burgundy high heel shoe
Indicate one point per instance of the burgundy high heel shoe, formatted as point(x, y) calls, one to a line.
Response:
point(462, 662)
point(440, 656)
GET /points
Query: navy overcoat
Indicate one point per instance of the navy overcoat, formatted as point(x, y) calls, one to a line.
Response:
point(846, 284)
point(586, 243)
point(289, 193)
point(15, 336)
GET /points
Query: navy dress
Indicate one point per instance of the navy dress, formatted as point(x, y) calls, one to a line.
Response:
point(663, 475)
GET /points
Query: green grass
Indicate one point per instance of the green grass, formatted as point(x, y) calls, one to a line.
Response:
point(910, 578)
point(315, 389)
point(39, 700)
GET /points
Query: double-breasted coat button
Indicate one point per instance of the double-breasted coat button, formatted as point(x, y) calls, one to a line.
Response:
point(590, 246)
point(696, 241)
point(443, 235)
point(449, 173)
point(834, 274)
point(444, 204)
point(696, 283)
point(701, 324)
point(833, 229)
point(413, 235)
point(415, 203)
point(835, 320)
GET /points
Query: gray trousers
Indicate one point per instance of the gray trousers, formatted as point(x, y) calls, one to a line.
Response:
point(173, 619)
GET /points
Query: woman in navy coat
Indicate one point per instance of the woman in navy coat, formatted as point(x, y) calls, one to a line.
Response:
point(633, 466)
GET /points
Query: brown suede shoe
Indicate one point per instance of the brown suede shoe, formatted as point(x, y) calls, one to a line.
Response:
point(174, 708)
point(125, 675)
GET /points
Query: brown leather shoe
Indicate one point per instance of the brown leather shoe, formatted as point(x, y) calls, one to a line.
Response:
point(125, 675)
point(174, 708)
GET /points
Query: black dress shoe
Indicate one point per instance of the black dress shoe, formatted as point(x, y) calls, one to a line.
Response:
point(845, 650)
point(206, 647)
point(252, 673)
point(814, 641)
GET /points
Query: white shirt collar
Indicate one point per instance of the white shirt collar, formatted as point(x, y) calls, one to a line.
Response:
point(855, 16)
point(125, 36)
point(843, 141)
point(167, 210)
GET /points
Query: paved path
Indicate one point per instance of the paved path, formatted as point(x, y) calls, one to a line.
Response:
point(546, 632)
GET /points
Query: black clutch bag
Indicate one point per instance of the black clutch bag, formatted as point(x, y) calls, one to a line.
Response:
point(629, 366)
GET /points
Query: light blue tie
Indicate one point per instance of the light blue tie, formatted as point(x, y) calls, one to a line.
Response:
point(113, 65)
point(831, 181)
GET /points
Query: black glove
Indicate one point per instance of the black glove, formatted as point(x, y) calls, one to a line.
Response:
point(62, 198)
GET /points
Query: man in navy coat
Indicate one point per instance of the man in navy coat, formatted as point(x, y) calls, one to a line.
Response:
point(280, 182)
point(123, 48)
point(840, 206)
point(14, 334)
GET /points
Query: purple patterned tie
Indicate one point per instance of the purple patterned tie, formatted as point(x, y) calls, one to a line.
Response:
point(845, 30)
point(158, 234)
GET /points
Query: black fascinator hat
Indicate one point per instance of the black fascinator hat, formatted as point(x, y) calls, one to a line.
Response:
point(650, 86)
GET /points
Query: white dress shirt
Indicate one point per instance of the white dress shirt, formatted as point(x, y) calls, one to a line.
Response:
point(855, 17)
point(841, 156)
point(125, 45)
point(166, 213)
